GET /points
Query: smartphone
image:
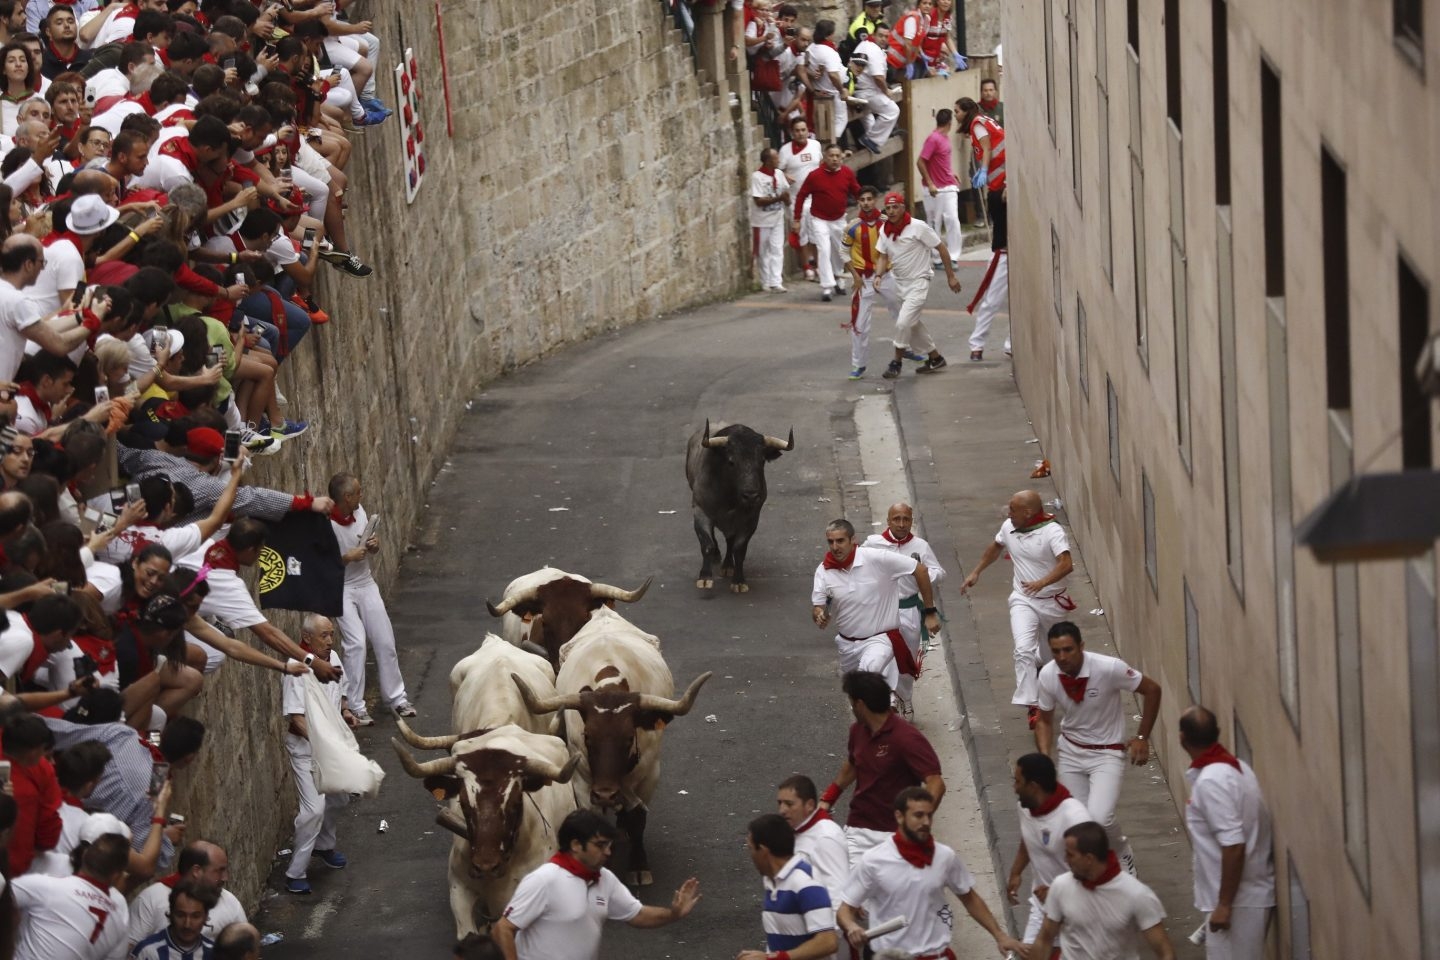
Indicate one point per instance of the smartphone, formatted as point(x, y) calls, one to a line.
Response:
point(175, 819)
point(228, 63)
point(309, 241)
point(4, 773)
point(154, 737)
point(268, 50)
point(240, 279)
point(158, 776)
point(217, 355)
point(60, 586)
point(117, 500)
point(102, 394)
point(85, 665)
point(232, 445)
point(79, 294)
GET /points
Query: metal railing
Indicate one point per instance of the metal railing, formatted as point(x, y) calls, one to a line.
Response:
point(679, 11)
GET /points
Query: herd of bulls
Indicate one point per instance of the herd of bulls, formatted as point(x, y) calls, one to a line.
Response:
point(568, 706)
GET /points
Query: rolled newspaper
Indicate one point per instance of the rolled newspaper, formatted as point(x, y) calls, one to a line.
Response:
point(889, 926)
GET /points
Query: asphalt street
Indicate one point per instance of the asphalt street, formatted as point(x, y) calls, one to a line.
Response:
point(578, 462)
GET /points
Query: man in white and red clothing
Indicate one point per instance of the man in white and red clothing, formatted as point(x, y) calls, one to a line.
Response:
point(818, 838)
point(1047, 810)
point(798, 159)
point(829, 189)
point(899, 537)
point(65, 249)
point(200, 861)
point(908, 248)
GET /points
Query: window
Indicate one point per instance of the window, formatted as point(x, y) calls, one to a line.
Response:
point(1229, 402)
point(1282, 521)
point(1272, 174)
point(1074, 37)
point(1173, 95)
point(1220, 59)
point(1422, 628)
point(1102, 124)
point(1179, 290)
point(1409, 30)
point(1414, 406)
point(1137, 225)
point(1082, 348)
point(1112, 413)
point(1102, 60)
point(1299, 915)
point(1242, 742)
point(1335, 271)
point(1348, 671)
point(1050, 67)
point(1132, 25)
point(1055, 273)
point(1192, 647)
point(1147, 509)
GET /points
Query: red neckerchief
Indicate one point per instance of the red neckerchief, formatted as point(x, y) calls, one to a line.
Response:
point(815, 818)
point(893, 230)
point(918, 855)
point(169, 881)
point(828, 43)
point(989, 105)
point(221, 556)
point(27, 390)
point(55, 52)
point(145, 101)
point(67, 131)
point(1074, 687)
point(768, 171)
point(1036, 522)
point(870, 218)
point(1058, 797)
point(179, 148)
point(832, 564)
point(105, 103)
point(66, 797)
point(1112, 870)
point(344, 521)
point(891, 537)
point(155, 753)
point(1214, 754)
point(797, 147)
point(55, 236)
point(567, 862)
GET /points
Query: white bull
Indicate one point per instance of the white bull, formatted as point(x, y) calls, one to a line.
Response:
point(482, 695)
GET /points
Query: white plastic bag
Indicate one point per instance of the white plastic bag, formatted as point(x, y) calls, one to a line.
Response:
point(338, 764)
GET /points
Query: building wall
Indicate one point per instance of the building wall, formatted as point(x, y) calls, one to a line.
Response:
point(1385, 131)
point(592, 181)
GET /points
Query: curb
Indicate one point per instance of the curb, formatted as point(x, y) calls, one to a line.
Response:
point(980, 721)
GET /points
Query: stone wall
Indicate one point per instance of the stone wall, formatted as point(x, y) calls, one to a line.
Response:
point(592, 181)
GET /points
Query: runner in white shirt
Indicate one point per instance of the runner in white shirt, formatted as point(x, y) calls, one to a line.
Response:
point(81, 917)
point(1098, 911)
point(860, 589)
point(898, 537)
point(560, 907)
point(797, 158)
point(907, 876)
point(907, 247)
point(769, 196)
point(818, 838)
point(1046, 811)
point(1088, 690)
point(1036, 544)
point(1230, 842)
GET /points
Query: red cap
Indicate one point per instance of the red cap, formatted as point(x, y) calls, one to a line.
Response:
point(205, 442)
point(895, 197)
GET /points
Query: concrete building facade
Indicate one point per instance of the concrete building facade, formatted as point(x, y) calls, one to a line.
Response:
point(1224, 249)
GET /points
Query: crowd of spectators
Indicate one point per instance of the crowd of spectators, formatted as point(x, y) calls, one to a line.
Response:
point(173, 175)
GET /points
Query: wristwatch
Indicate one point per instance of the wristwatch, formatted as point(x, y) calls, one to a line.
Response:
point(309, 659)
point(929, 610)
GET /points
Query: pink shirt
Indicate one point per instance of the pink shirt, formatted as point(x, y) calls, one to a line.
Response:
point(936, 157)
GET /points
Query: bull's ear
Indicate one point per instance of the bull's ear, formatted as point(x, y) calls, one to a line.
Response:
point(530, 783)
point(443, 787)
point(652, 719)
point(772, 454)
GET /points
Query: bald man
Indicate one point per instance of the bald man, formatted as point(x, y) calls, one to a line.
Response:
point(238, 941)
point(201, 861)
point(899, 536)
point(1040, 551)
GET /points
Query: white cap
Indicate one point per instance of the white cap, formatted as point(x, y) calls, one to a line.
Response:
point(100, 824)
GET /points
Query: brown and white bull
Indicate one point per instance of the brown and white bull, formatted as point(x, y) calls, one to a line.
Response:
point(482, 696)
point(548, 606)
point(508, 791)
point(613, 676)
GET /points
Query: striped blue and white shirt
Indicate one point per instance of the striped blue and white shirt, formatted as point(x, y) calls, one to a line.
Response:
point(796, 907)
point(159, 946)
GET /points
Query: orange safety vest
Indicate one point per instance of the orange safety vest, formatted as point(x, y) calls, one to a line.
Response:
point(996, 135)
point(902, 50)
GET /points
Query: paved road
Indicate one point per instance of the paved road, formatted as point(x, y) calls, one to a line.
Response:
point(578, 462)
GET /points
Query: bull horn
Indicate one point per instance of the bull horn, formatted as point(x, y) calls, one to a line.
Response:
point(424, 743)
point(675, 707)
point(430, 768)
point(775, 443)
point(603, 591)
point(537, 706)
point(714, 443)
point(543, 768)
point(446, 818)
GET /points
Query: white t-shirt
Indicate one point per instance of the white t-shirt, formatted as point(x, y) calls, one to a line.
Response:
point(16, 644)
point(864, 600)
point(229, 598)
point(280, 252)
point(1044, 838)
point(823, 61)
point(1104, 923)
point(768, 187)
point(292, 704)
point(889, 886)
point(786, 60)
point(560, 916)
point(69, 918)
point(347, 537)
point(822, 844)
point(28, 418)
point(180, 541)
point(118, 29)
point(105, 578)
point(916, 548)
point(872, 80)
point(1099, 718)
point(111, 120)
point(797, 164)
point(909, 253)
point(56, 862)
point(150, 912)
point(1227, 808)
point(17, 313)
point(1034, 553)
point(141, 360)
point(163, 172)
point(63, 269)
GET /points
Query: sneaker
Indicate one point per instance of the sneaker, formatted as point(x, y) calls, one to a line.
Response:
point(977, 354)
point(870, 145)
point(841, 289)
point(298, 885)
point(290, 429)
point(280, 400)
point(931, 365)
point(333, 859)
point(255, 442)
point(263, 427)
point(404, 709)
point(308, 304)
point(857, 373)
point(1128, 862)
point(811, 275)
point(826, 295)
point(350, 264)
point(936, 264)
point(329, 254)
point(776, 290)
point(372, 118)
point(892, 370)
point(916, 357)
point(375, 104)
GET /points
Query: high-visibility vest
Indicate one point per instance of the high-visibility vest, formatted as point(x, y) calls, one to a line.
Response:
point(996, 135)
point(903, 50)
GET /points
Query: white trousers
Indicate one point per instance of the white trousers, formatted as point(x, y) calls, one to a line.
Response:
point(346, 51)
point(874, 655)
point(942, 212)
point(1035, 921)
point(862, 306)
point(910, 332)
point(1093, 777)
point(1245, 940)
point(910, 630)
point(828, 235)
point(881, 118)
point(859, 839)
point(994, 298)
point(315, 820)
point(770, 254)
point(316, 191)
point(365, 616)
point(1030, 620)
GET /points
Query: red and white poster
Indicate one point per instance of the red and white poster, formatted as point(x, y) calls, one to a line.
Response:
point(407, 95)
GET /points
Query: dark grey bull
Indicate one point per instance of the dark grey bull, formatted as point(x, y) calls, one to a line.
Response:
point(726, 471)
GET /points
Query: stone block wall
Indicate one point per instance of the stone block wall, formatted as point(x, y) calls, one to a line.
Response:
point(592, 181)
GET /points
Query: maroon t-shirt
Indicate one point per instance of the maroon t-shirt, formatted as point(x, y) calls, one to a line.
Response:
point(892, 758)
